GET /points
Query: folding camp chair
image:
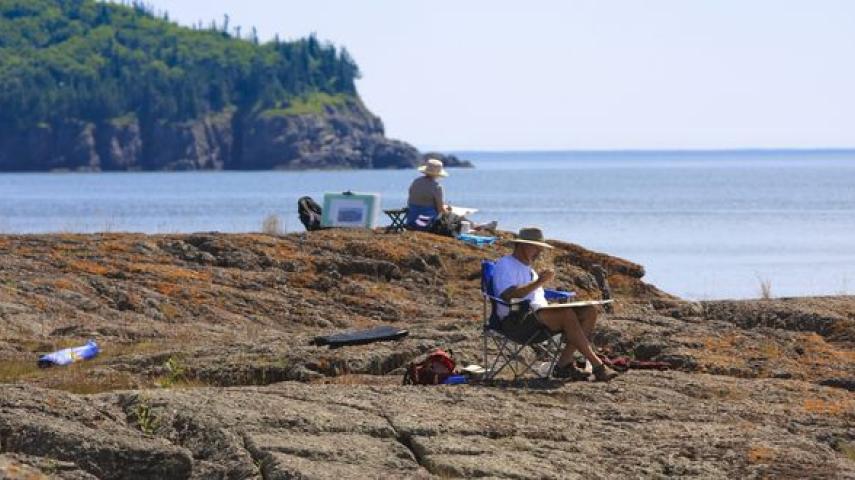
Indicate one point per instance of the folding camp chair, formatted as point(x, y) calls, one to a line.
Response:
point(510, 352)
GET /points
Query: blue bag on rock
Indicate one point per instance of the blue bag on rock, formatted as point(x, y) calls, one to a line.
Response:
point(455, 380)
point(476, 240)
point(70, 355)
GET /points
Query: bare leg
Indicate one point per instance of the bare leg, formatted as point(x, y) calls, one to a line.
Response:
point(587, 319)
point(564, 320)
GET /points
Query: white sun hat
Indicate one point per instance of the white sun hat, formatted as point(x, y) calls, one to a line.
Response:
point(433, 168)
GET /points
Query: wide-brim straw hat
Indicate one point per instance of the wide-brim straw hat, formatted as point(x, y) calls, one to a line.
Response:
point(433, 168)
point(531, 236)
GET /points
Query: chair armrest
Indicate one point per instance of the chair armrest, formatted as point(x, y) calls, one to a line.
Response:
point(514, 301)
point(558, 295)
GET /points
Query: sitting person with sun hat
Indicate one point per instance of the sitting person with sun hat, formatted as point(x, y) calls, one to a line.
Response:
point(514, 278)
point(426, 208)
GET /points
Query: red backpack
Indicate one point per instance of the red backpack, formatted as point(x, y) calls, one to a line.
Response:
point(433, 370)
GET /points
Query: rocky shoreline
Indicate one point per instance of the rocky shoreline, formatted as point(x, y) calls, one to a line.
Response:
point(208, 368)
point(345, 136)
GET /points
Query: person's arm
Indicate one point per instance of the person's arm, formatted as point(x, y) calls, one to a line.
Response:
point(520, 291)
point(438, 200)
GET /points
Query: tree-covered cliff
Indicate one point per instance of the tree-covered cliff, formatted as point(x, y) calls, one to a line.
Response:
point(90, 60)
point(88, 85)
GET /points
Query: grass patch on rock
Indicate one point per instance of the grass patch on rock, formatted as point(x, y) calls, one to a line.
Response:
point(311, 104)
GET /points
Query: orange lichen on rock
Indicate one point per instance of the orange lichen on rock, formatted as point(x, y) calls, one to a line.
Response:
point(87, 266)
point(168, 289)
point(63, 283)
point(170, 272)
point(829, 407)
point(760, 454)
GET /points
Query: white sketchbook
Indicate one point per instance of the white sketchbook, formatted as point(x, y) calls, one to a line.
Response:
point(580, 303)
point(462, 211)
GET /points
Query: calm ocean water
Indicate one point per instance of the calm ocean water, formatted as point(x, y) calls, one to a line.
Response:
point(705, 225)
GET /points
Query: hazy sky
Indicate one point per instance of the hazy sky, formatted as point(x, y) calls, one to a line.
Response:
point(562, 74)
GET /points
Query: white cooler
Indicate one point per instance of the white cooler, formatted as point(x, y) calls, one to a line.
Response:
point(350, 210)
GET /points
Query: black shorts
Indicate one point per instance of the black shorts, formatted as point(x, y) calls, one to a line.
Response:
point(522, 325)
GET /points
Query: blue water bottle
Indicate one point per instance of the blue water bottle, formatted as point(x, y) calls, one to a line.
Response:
point(70, 355)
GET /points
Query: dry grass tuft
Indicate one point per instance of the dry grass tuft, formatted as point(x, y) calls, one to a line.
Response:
point(765, 287)
point(273, 225)
point(12, 371)
point(76, 380)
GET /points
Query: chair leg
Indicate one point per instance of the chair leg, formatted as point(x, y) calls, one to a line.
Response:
point(557, 346)
point(510, 355)
point(501, 346)
point(505, 355)
point(548, 350)
point(484, 351)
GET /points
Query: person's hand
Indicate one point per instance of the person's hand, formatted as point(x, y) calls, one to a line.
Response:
point(447, 208)
point(546, 276)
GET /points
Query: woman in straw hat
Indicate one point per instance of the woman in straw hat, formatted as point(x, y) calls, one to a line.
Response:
point(426, 208)
point(425, 201)
point(514, 278)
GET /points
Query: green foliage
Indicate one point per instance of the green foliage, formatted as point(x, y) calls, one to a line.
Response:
point(174, 370)
point(174, 373)
point(89, 60)
point(312, 103)
point(146, 420)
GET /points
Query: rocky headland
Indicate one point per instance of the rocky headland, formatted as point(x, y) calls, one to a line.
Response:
point(118, 86)
point(208, 368)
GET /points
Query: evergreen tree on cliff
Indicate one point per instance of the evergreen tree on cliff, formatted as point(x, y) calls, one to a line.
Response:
point(88, 85)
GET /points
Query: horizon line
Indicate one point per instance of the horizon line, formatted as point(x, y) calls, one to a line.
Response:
point(651, 150)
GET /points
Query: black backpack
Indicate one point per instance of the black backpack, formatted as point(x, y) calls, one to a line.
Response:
point(447, 224)
point(310, 213)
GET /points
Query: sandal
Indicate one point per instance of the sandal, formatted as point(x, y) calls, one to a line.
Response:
point(603, 373)
point(569, 372)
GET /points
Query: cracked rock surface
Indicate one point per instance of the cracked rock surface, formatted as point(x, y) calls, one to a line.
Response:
point(209, 369)
point(644, 424)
